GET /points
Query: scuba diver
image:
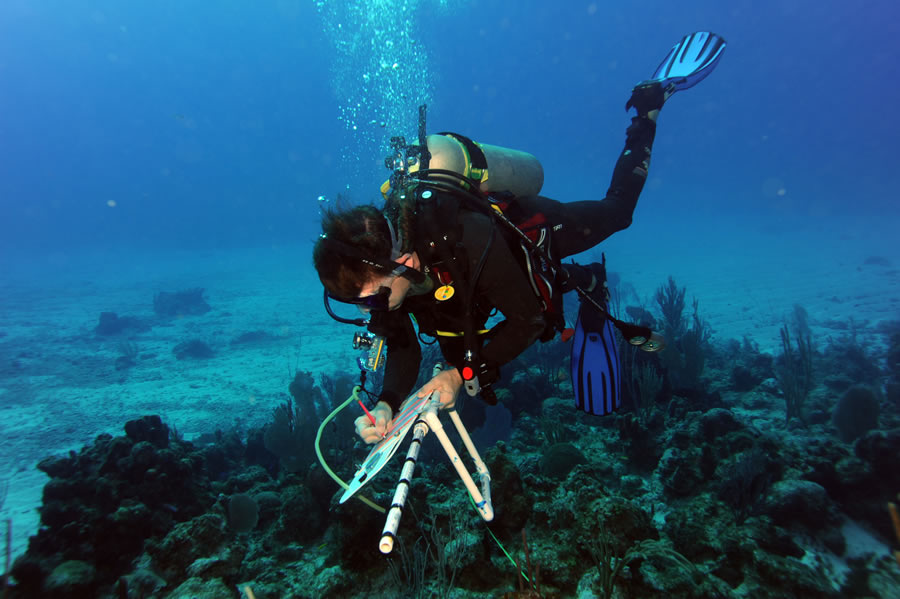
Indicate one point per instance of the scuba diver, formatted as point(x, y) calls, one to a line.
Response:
point(464, 235)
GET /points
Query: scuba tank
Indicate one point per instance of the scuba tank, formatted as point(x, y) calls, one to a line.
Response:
point(495, 168)
point(501, 169)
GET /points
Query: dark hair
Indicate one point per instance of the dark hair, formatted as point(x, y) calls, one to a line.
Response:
point(363, 228)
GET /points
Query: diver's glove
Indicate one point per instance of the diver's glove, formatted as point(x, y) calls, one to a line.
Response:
point(648, 96)
point(373, 433)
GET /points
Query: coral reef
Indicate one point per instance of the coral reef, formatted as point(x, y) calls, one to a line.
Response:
point(102, 504)
point(795, 373)
point(290, 434)
point(112, 324)
point(698, 487)
point(188, 302)
point(856, 413)
point(194, 349)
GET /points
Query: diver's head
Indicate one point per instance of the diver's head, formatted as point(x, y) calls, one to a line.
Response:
point(361, 259)
point(388, 293)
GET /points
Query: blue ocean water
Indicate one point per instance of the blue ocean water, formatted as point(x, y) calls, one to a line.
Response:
point(218, 124)
point(158, 146)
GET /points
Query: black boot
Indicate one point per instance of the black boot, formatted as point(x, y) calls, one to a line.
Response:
point(592, 280)
point(597, 288)
point(648, 96)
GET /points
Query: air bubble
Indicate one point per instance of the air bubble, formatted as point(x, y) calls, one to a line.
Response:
point(380, 70)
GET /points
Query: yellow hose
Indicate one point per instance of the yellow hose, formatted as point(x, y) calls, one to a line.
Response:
point(353, 397)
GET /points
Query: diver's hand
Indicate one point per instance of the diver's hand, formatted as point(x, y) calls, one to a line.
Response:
point(373, 433)
point(447, 383)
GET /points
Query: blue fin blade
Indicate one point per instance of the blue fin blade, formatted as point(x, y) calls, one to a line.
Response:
point(596, 378)
point(691, 60)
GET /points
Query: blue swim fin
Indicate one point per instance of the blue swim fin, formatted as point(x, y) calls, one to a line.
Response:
point(596, 368)
point(690, 60)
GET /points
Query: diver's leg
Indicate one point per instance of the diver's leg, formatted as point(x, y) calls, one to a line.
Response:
point(586, 223)
point(579, 226)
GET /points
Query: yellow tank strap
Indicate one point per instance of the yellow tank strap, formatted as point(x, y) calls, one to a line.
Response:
point(460, 334)
point(479, 174)
point(468, 171)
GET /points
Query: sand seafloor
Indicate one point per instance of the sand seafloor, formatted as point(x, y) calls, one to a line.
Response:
point(62, 384)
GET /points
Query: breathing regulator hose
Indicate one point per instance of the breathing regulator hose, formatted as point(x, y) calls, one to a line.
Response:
point(353, 397)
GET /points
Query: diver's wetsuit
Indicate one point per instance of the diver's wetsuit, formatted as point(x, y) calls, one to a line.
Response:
point(502, 284)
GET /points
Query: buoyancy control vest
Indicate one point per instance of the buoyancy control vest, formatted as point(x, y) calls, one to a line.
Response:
point(441, 197)
point(439, 205)
point(464, 174)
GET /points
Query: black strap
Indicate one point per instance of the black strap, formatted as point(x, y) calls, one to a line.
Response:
point(387, 266)
point(476, 155)
point(424, 154)
point(452, 258)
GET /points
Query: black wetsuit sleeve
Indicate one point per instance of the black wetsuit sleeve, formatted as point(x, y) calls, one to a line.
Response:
point(401, 368)
point(503, 285)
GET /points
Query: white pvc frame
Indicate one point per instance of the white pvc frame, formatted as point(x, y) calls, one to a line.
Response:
point(429, 420)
